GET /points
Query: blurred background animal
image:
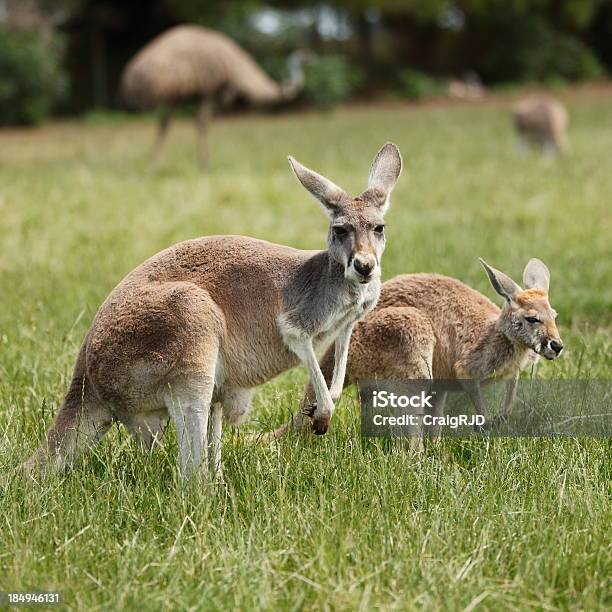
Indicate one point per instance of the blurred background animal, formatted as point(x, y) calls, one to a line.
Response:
point(542, 121)
point(469, 88)
point(428, 326)
point(191, 62)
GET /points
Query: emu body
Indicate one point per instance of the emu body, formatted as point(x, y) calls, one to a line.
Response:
point(191, 62)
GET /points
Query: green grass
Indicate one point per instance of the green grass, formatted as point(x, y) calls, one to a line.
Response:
point(328, 523)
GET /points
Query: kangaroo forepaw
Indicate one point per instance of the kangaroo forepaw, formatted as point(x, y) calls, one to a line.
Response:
point(320, 425)
point(320, 422)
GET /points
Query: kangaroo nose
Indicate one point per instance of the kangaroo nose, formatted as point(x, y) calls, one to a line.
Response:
point(363, 267)
point(556, 346)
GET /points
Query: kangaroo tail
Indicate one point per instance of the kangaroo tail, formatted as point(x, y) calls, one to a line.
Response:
point(78, 421)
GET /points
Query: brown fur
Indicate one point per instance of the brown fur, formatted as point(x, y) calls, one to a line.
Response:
point(438, 323)
point(188, 61)
point(530, 297)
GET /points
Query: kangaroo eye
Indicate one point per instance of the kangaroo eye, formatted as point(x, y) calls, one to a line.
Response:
point(379, 229)
point(532, 320)
point(339, 231)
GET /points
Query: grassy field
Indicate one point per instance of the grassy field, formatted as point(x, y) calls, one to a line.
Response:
point(333, 522)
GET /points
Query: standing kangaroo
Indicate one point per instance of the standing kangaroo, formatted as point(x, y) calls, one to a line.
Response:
point(204, 321)
point(428, 326)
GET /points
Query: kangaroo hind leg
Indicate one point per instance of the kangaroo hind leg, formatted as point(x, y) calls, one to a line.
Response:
point(189, 407)
point(188, 399)
point(397, 344)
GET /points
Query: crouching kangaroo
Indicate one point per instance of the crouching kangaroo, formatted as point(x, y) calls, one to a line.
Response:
point(428, 326)
point(203, 322)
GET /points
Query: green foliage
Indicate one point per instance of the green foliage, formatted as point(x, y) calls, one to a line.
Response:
point(564, 56)
point(31, 77)
point(416, 85)
point(329, 80)
point(529, 49)
point(274, 65)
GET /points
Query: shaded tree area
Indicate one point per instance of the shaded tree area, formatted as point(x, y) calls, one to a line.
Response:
point(369, 43)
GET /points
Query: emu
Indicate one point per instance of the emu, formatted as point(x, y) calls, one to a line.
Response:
point(191, 62)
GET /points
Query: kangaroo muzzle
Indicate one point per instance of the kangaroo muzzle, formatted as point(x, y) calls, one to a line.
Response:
point(551, 348)
point(363, 268)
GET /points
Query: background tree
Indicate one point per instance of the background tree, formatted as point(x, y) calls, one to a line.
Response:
point(372, 44)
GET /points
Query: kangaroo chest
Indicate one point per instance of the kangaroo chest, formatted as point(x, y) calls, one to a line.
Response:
point(348, 311)
point(512, 365)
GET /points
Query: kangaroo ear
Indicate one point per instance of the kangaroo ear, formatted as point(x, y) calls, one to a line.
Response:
point(501, 282)
point(324, 190)
point(385, 170)
point(536, 275)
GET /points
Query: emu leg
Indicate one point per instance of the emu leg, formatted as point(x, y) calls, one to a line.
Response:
point(162, 132)
point(203, 119)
